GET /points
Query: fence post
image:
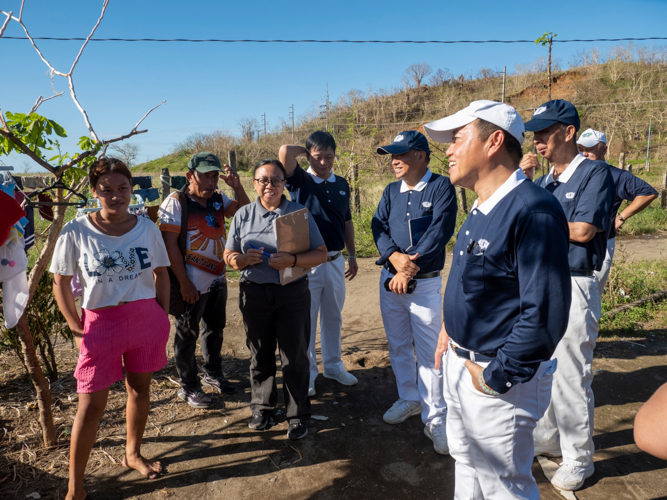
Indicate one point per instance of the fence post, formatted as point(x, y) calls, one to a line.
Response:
point(663, 191)
point(165, 181)
point(356, 197)
point(232, 165)
point(463, 204)
point(621, 160)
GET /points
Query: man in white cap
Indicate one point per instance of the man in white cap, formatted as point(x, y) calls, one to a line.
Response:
point(506, 305)
point(593, 145)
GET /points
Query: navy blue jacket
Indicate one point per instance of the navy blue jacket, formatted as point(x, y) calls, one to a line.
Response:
point(390, 222)
point(509, 291)
point(587, 196)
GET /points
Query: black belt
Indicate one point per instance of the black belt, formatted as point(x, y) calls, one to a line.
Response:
point(581, 273)
point(331, 258)
point(426, 275)
point(464, 353)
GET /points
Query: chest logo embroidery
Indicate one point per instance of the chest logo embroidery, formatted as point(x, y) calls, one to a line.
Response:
point(483, 244)
point(217, 205)
point(427, 204)
point(342, 193)
point(569, 195)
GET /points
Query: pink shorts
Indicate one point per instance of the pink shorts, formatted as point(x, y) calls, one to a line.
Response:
point(135, 333)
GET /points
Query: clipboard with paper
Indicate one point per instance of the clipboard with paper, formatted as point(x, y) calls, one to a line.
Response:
point(292, 236)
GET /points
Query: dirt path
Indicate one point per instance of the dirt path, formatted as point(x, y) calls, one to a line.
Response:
point(351, 455)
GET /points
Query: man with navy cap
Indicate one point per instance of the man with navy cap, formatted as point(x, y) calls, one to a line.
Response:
point(412, 225)
point(585, 189)
point(593, 145)
point(505, 308)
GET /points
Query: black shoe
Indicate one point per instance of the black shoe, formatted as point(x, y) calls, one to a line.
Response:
point(261, 420)
point(297, 430)
point(196, 398)
point(220, 384)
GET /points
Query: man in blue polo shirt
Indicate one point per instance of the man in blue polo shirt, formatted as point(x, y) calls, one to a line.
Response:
point(412, 225)
point(505, 308)
point(327, 197)
point(593, 145)
point(585, 189)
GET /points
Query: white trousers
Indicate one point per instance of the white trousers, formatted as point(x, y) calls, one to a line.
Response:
point(326, 283)
point(491, 438)
point(570, 413)
point(416, 319)
point(603, 273)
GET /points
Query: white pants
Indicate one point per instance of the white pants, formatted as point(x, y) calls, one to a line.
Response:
point(603, 273)
point(409, 319)
point(571, 410)
point(491, 438)
point(326, 283)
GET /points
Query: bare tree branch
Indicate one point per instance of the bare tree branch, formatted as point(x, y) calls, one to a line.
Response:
point(144, 117)
point(89, 126)
point(41, 100)
point(21, 11)
point(78, 56)
point(4, 25)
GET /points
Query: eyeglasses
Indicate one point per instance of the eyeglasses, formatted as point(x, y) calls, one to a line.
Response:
point(265, 181)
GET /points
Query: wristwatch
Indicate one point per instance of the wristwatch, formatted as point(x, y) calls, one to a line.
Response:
point(622, 219)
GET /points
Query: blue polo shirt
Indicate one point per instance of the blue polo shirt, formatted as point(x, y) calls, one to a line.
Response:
point(509, 289)
point(626, 187)
point(585, 190)
point(328, 201)
point(434, 195)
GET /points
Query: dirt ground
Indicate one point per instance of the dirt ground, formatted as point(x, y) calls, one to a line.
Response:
point(352, 454)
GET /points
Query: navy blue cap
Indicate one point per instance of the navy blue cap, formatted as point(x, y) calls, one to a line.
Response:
point(404, 142)
point(552, 112)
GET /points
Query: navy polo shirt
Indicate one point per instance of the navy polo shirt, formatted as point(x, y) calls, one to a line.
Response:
point(433, 195)
point(509, 289)
point(328, 201)
point(585, 190)
point(626, 187)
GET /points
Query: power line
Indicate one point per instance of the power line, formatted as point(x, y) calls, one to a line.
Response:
point(217, 40)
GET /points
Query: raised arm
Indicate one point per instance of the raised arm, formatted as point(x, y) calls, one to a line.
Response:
point(288, 155)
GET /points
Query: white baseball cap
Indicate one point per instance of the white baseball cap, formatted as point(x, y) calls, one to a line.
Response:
point(502, 115)
point(590, 138)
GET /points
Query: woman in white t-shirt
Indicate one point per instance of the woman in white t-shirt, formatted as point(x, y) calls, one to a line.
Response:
point(121, 262)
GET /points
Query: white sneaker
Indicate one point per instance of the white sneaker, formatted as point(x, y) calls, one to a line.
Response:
point(311, 388)
point(570, 477)
point(547, 450)
point(437, 434)
point(402, 410)
point(342, 377)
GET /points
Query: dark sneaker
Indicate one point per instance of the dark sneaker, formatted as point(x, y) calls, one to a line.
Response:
point(196, 399)
point(297, 430)
point(261, 420)
point(220, 384)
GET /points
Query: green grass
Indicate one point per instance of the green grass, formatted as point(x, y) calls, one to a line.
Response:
point(175, 162)
point(630, 281)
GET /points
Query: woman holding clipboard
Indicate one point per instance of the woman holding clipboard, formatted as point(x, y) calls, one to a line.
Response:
point(274, 313)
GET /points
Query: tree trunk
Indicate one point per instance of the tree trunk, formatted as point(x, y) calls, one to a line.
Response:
point(39, 381)
point(551, 41)
point(463, 203)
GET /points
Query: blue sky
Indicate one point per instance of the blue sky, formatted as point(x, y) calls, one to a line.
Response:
point(211, 86)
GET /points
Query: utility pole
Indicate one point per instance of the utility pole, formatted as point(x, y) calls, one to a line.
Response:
point(291, 114)
point(504, 80)
point(264, 123)
point(551, 42)
point(648, 144)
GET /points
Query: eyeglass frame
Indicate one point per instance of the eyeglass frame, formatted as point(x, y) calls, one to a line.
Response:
point(265, 181)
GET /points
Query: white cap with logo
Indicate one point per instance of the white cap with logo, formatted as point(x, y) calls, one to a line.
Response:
point(501, 115)
point(590, 138)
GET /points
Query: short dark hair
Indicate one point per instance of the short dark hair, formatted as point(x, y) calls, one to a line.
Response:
point(320, 141)
point(271, 161)
point(106, 165)
point(512, 145)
